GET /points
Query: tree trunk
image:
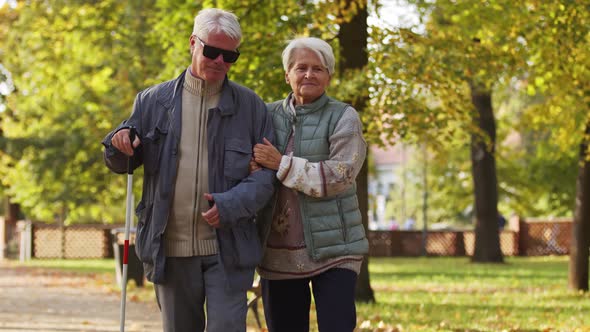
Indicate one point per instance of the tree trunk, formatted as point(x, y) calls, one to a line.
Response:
point(353, 55)
point(485, 183)
point(578, 266)
point(11, 216)
point(364, 292)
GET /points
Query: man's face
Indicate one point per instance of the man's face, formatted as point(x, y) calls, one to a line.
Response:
point(208, 69)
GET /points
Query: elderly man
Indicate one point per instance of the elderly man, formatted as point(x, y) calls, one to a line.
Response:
point(196, 233)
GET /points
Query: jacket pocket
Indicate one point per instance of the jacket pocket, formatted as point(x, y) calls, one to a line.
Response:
point(248, 251)
point(152, 148)
point(237, 158)
point(142, 240)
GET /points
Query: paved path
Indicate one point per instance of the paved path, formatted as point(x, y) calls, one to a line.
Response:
point(35, 300)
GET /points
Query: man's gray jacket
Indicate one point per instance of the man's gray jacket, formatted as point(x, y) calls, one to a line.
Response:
point(233, 128)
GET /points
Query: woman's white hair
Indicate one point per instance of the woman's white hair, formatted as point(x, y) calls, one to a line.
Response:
point(213, 20)
point(320, 47)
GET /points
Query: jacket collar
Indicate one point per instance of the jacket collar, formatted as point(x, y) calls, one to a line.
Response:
point(227, 103)
point(175, 94)
point(167, 96)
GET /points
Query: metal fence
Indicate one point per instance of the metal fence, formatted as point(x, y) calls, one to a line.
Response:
point(84, 241)
point(525, 238)
point(545, 237)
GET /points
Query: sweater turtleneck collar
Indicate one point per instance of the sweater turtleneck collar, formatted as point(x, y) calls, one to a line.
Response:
point(199, 87)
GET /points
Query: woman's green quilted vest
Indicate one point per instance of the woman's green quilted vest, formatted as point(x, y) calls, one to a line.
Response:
point(332, 225)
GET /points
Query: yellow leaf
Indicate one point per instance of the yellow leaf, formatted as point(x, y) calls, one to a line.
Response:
point(531, 91)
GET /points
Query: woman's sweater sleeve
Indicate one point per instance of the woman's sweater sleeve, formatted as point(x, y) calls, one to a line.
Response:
point(336, 174)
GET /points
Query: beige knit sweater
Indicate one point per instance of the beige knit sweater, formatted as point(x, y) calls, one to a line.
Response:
point(187, 234)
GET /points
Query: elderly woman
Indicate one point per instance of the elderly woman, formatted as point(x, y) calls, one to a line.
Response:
point(315, 234)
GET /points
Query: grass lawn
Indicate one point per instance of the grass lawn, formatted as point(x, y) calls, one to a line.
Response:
point(452, 294)
point(439, 294)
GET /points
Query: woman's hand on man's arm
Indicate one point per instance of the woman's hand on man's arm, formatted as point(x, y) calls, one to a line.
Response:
point(267, 155)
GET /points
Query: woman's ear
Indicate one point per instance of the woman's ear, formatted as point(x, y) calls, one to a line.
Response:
point(287, 77)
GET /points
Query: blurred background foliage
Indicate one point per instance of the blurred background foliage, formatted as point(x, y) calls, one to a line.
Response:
point(69, 72)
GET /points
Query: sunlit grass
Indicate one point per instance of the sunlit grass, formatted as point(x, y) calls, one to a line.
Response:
point(452, 294)
point(434, 294)
point(74, 265)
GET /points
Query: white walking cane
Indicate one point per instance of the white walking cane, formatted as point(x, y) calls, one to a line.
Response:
point(128, 216)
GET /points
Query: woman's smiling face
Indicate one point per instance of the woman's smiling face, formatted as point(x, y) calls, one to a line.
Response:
point(307, 76)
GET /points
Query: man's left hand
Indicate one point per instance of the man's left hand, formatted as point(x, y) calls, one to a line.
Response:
point(211, 216)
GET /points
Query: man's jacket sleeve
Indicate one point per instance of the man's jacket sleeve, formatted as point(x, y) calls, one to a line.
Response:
point(254, 191)
point(114, 159)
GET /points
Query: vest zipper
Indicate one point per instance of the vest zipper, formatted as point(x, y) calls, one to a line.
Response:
point(342, 222)
point(296, 146)
point(284, 148)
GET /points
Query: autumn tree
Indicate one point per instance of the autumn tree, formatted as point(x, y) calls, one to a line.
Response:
point(8, 16)
point(74, 83)
point(353, 39)
point(560, 71)
point(447, 84)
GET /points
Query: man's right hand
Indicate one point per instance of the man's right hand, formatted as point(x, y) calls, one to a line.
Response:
point(122, 143)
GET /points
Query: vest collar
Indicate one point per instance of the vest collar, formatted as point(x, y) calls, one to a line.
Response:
point(306, 108)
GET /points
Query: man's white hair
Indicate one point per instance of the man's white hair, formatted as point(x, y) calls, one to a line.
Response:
point(320, 47)
point(213, 20)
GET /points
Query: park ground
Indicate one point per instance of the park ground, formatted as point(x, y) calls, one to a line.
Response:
point(64, 299)
point(526, 294)
point(34, 299)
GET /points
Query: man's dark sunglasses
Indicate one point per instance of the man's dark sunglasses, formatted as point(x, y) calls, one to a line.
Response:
point(212, 53)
